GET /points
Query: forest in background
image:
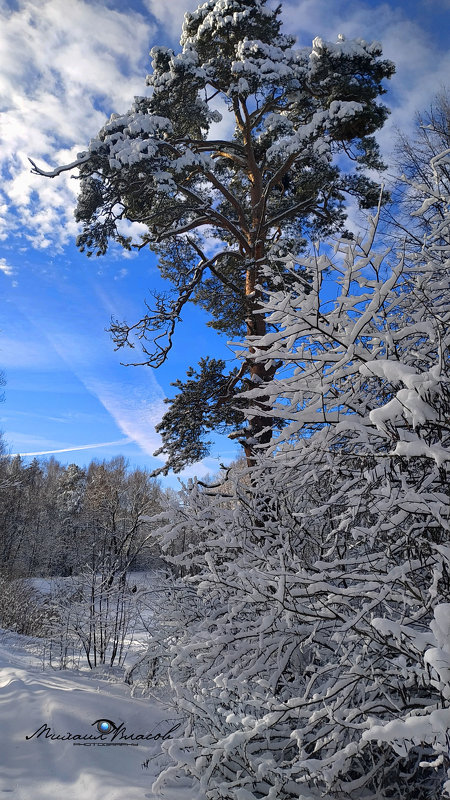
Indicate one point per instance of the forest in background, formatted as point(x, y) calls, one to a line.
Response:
point(55, 519)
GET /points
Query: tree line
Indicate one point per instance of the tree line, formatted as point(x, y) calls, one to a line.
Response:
point(55, 520)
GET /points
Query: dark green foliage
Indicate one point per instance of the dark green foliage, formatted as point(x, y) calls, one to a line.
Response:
point(207, 401)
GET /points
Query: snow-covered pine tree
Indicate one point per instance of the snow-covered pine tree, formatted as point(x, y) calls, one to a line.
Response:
point(316, 663)
point(217, 206)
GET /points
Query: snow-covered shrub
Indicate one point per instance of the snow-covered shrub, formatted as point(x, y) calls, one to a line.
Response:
point(285, 664)
point(23, 608)
point(94, 614)
point(425, 728)
point(316, 664)
point(164, 607)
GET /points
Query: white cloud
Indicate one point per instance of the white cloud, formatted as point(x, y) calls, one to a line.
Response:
point(133, 229)
point(135, 409)
point(170, 15)
point(136, 403)
point(65, 67)
point(6, 268)
point(133, 398)
point(225, 128)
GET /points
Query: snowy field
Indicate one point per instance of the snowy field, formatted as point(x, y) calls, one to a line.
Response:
point(34, 700)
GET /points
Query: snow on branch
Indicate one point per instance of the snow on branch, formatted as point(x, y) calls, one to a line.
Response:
point(82, 158)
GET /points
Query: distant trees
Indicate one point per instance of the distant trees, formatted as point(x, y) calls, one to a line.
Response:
point(88, 527)
point(2, 441)
point(55, 520)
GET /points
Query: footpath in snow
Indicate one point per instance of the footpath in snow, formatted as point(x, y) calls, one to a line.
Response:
point(39, 768)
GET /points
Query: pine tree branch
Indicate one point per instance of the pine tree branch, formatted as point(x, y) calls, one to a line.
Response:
point(230, 197)
point(217, 216)
point(58, 170)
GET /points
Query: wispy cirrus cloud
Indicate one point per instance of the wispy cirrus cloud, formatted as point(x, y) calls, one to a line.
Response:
point(17, 352)
point(133, 398)
point(120, 442)
point(135, 408)
point(135, 402)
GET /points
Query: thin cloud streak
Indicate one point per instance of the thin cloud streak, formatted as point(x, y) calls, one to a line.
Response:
point(119, 442)
point(136, 409)
point(135, 406)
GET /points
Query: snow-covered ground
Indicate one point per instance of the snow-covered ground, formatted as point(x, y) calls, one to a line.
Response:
point(62, 702)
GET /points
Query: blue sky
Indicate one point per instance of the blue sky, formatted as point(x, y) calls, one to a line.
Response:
point(65, 68)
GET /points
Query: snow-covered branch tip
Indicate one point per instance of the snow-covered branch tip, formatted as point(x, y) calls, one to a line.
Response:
point(82, 159)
